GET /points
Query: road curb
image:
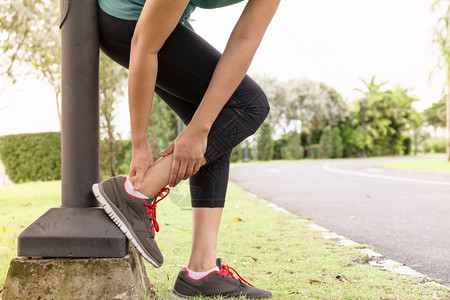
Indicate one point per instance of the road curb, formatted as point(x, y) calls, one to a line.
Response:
point(376, 259)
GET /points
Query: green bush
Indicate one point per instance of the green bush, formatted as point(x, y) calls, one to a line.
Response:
point(326, 148)
point(238, 153)
point(278, 145)
point(349, 139)
point(32, 157)
point(124, 155)
point(436, 145)
point(264, 145)
point(314, 151)
point(406, 145)
point(336, 143)
point(292, 149)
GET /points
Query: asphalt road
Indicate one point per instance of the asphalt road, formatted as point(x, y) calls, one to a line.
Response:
point(404, 215)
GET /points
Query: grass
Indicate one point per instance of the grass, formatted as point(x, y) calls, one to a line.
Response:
point(270, 249)
point(438, 165)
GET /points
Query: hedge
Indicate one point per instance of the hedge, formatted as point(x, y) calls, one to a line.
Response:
point(32, 157)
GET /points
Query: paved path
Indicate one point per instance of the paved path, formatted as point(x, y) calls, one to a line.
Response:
point(404, 215)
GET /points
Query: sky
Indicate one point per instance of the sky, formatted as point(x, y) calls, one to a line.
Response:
point(340, 43)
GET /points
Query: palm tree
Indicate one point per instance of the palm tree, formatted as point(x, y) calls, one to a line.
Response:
point(442, 39)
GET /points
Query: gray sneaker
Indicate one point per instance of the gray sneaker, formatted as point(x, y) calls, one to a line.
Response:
point(216, 283)
point(136, 217)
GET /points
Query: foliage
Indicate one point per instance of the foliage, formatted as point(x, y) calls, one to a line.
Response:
point(31, 41)
point(276, 94)
point(407, 145)
point(336, 143)
point(442, 40)
point(264, 143)
point(112, 86)
point(386, 113)
point(163, 126)
point(326, 149)
point(331, 143)
point(292, 149)
point(315, 104)
point(436, 145)
point(32, 157)
point(237, 154)
point(278, 146)
point(435, 114)
point(314, 151)
point(123, 157)
point(350, 143)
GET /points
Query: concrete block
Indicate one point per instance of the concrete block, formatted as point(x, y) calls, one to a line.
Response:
point(78, 278)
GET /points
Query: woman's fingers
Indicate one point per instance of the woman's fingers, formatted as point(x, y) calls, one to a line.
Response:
point(167, 151)
point(182, 170)
point(174, 172)
point(139, 179)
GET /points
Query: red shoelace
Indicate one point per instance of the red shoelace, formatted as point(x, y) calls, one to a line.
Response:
point(226, 270)
point(151, 207)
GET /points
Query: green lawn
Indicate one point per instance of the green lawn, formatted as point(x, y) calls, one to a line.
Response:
point(270, 249)
point(438, 165)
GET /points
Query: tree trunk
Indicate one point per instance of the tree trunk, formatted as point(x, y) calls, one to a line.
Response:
point(447, 133)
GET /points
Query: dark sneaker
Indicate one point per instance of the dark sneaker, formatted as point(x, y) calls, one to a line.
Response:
point(136, 217)
point(216, 283)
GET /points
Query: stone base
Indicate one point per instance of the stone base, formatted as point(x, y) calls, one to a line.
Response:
point(78, 278)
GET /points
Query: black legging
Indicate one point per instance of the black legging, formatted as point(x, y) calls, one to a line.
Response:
point(186, 63)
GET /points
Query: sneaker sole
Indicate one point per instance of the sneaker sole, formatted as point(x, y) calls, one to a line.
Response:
point(119, 219)
point(176, 295)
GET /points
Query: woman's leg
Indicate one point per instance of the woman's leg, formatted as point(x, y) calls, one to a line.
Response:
point(185, 66)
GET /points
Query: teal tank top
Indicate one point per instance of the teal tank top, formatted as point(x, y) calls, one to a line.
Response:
point(131, 9)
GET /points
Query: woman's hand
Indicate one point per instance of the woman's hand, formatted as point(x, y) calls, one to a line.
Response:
point(188, 154)
point(142, 160)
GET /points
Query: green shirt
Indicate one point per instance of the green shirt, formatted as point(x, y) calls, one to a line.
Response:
point(131, 9)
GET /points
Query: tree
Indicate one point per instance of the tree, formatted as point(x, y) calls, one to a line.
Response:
point(112, 86)
point(291, 148)
point(336, 143)
point(326, 148)
point(435, 114)
point(31, 41)
point(163, 126)
point(315, 104)
point(442, 40)
point(264, 144)
point(388, 112)
point(276, 94)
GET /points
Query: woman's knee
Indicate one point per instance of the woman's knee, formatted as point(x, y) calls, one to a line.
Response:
point(260, 108)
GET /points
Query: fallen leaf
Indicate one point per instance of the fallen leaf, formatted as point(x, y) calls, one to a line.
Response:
point(3, 229)
point(237, 220)
point(186, 229)
point(280, 249)
point(254, 258)
point(311, 281)
point(341, 278)
point(257, 247)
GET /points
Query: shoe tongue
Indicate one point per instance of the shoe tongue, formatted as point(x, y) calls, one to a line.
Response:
point(219, 262)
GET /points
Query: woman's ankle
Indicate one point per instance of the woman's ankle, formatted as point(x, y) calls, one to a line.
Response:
point(202, 265)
